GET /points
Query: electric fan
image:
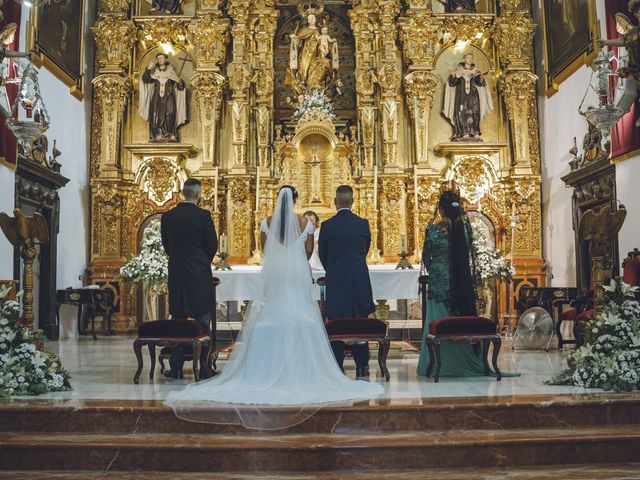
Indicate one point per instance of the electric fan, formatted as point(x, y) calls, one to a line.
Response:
point(535, 329)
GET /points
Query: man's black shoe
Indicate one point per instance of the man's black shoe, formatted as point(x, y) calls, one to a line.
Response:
point(362, 372)
point(175, 375)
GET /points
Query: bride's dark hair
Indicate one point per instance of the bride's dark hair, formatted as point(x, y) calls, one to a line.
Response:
point(284, 207)
point(463, 294)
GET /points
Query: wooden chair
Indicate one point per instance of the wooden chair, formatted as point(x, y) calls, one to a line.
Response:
point(466, 330)
point(354, 330)
point(171, 333)
point(165, 353)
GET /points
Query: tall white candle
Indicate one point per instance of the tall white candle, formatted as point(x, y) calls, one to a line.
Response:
point(375, 187)
point(257, 189)
point(403, 243)
point(215, 192)
point(223, 243)
point(415, 189)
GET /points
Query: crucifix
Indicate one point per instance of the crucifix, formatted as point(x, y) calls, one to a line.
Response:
point(316, 187)
point(183, 61)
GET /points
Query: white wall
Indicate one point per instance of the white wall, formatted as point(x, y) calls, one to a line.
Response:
point(627, 176)
point(7, 181)
point(70, 128)
point(559, 124)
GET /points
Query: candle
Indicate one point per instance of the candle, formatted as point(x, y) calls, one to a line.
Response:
point(513, 209)
point(215, 192)
point(415, 188)
point(257, 189)
point(403, 243)
point(223, 243)
point(375, 187)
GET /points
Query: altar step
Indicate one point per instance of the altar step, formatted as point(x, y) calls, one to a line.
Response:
point(320, 452)
point(534, 432)
point(629, 471)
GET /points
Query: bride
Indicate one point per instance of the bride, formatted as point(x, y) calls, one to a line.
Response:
point(282, 369)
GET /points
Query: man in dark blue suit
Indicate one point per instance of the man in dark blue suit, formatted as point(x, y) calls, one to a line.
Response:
point(343, 246)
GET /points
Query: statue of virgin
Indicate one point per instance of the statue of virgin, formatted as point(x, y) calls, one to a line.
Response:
point(313, 57)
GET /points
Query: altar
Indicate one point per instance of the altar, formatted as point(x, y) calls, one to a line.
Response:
point(243, 283)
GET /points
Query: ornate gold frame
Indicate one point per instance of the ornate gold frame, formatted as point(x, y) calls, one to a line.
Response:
point(552, 84)
point(76, 86)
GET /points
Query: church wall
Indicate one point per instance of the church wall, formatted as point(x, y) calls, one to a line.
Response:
point(7, 179)
point(627, 175)
point(559, 124)
point(70, 127)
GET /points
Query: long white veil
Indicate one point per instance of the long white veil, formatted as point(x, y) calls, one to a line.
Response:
point(282, 369)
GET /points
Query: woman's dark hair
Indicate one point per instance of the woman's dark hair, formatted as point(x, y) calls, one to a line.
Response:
point(310, 213)
point(463, 294)
point(284, 207)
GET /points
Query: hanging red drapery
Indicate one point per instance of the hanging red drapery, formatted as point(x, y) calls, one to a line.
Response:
point(8, 145)
point(625, 136)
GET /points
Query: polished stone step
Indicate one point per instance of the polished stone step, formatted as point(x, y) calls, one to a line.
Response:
point(320, 452)
point(562, 472)
point(397, 415)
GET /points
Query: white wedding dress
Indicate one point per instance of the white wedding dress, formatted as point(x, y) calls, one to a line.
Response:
point(282, 368)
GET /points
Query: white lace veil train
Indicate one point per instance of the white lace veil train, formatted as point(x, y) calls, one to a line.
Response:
point(282, 369)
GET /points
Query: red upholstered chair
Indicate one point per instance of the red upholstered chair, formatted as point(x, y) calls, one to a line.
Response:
point(165, 353)
point(466, 330)
point(354, 330)
point(170, 333)
point(631, 270)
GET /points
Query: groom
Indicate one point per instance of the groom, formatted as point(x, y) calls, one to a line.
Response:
point(343, 246)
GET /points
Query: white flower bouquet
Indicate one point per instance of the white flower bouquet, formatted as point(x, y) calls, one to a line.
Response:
point(314, 100)
point(490, 263)
point(24, 368)
point(610, 356)
point(151, 265)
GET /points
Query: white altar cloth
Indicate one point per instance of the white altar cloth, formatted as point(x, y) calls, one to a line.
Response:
point(243, 282)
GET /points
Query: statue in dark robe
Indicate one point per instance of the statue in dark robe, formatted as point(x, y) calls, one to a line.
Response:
point(458, 6)
point(162, 100)
point(171, 7)
point(467, 100)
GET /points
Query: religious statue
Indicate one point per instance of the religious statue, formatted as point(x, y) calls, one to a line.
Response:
point(592, 145)
point(163, 101)
point(631, 41)
point(313, 55)
point(7, 36)
point(467, 100)
point(316, 180)
point(22, 231)
point(171, 7)
point(459, 6)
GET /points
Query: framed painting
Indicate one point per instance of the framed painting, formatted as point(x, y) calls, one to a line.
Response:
point(571, 32)
point(57, 37)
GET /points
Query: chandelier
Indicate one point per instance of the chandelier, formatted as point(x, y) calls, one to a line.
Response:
point(30, 118)
point(606, 114)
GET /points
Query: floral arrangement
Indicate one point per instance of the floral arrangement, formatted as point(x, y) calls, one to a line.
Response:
point(610, 357)
point(24, 368)
point(314, 100)
point(490, 262)
point(151, 265)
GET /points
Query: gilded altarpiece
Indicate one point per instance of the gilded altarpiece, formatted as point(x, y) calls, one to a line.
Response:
point(382, 65)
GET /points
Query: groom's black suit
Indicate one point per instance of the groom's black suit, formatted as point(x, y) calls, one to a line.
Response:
point(343, 246)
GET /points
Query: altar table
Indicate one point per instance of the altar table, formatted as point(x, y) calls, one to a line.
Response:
point(243, 283)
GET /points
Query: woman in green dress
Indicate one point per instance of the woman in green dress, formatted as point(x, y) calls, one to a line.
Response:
point(447, 256)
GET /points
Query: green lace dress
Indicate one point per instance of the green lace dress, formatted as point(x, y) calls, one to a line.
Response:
point(457, 360)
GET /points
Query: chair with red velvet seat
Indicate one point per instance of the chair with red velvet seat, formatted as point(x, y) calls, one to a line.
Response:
point(631, 270)
point(165, 353)
point(170, 333)
point(354, 330)
point(468, 330)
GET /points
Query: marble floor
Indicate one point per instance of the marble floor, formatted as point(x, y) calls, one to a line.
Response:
point(103, 370)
